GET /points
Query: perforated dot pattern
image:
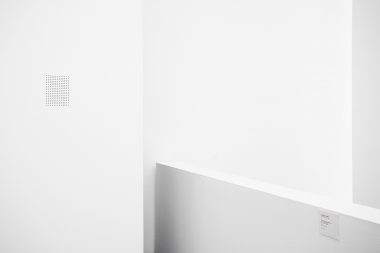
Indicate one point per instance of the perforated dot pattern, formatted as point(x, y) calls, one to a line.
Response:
point(57, 90)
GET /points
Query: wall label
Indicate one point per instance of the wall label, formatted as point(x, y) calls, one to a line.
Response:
point(329, 225)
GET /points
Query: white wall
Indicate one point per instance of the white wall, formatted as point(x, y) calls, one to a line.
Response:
point(70, 177)
point(258, 88)
point(200, 214)
point(366, 106)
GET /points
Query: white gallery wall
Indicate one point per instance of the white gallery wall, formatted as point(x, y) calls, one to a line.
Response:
point(70, 176)
point(261, 89)
point(201, 211)
point(366, 105)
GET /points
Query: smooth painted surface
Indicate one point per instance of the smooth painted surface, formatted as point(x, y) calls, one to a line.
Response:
point(261, 89)
point(200, 214)
point(71, 177)
point(337, 206)
point(366, 105)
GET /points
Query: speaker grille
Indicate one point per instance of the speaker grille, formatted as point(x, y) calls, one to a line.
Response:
point(57, 90)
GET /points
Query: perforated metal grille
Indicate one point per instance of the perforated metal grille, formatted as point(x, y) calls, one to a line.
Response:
point(57, 90)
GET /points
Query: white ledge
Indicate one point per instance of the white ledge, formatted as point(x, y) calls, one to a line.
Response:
point(338, 206)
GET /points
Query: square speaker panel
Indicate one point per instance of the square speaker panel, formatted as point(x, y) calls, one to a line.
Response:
point(57, 90)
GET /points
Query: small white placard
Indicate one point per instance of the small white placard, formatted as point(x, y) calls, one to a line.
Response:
point(329, 224)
